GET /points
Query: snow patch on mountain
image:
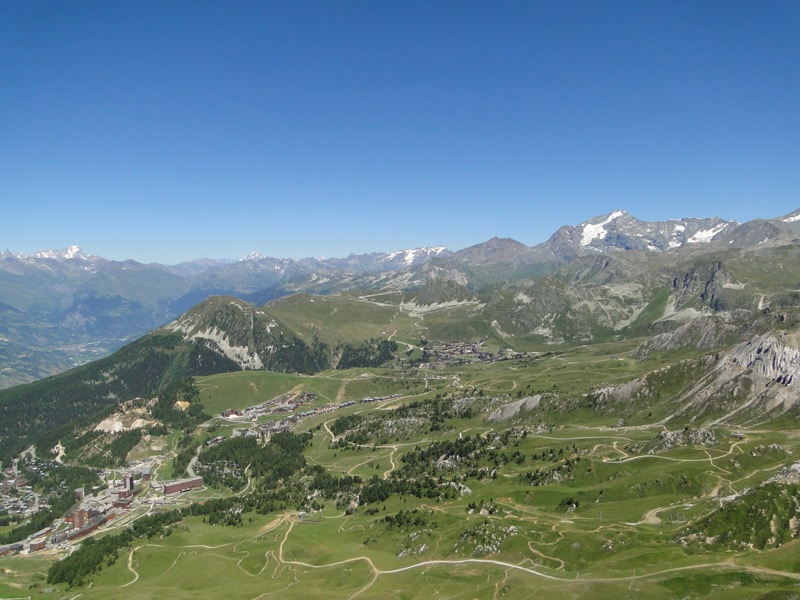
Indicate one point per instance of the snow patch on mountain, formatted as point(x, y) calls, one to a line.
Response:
point(62, 254)
point(409, 257)
point(592, 231)
point(793, 218)
point(706, 235)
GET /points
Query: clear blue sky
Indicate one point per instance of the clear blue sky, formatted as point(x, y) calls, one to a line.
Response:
point(166, 131)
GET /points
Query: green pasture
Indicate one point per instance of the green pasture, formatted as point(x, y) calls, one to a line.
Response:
point(620, 541)
point(244, 389)
point(22, 576)
point(340, 318)
point(336, 556)
point(248, 388)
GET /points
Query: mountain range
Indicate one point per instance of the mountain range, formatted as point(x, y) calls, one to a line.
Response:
point(60, 308)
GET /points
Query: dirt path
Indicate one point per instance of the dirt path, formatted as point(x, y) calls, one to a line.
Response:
point(271, 525)
point(131, 569)
point(651, 516)
point(278, 521)
point(393, 463)
point(561, 563)
point(728, 564)
point(390, 456)
point(364, 462)
point(328, 429)
point(376, 571)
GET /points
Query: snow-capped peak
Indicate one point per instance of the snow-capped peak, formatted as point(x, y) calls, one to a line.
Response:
point(254, 256)
point(409, 257)
point(63, 254)
point(597, 231)
point(795, 216)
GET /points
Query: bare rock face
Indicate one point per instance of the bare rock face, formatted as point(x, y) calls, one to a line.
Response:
point(703, 333)
point(623, 392)
point(772, 358)
point(788, 474)
point(751, 380)
point(512, 409)
point(702, 282)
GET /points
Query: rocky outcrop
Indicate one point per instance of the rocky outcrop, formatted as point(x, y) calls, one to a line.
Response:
point(750, 382)
point(770, 357)
point(512, 409)
point(788, 474)
point(667, 440)
point(624, 392)
point(704, 283)
point(702, 333)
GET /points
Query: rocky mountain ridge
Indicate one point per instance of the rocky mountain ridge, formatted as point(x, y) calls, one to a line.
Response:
point(747, 383)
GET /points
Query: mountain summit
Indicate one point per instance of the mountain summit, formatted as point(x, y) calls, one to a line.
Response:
point(60, 255)
point(619, 231)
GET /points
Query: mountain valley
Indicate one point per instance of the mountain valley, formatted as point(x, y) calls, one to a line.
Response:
point(613, 412)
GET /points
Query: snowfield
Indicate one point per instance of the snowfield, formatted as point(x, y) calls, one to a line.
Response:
point(598, 232)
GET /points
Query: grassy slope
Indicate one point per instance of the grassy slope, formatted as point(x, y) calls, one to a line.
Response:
point(617, 544)
point(604, 540)
point(338, 318)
